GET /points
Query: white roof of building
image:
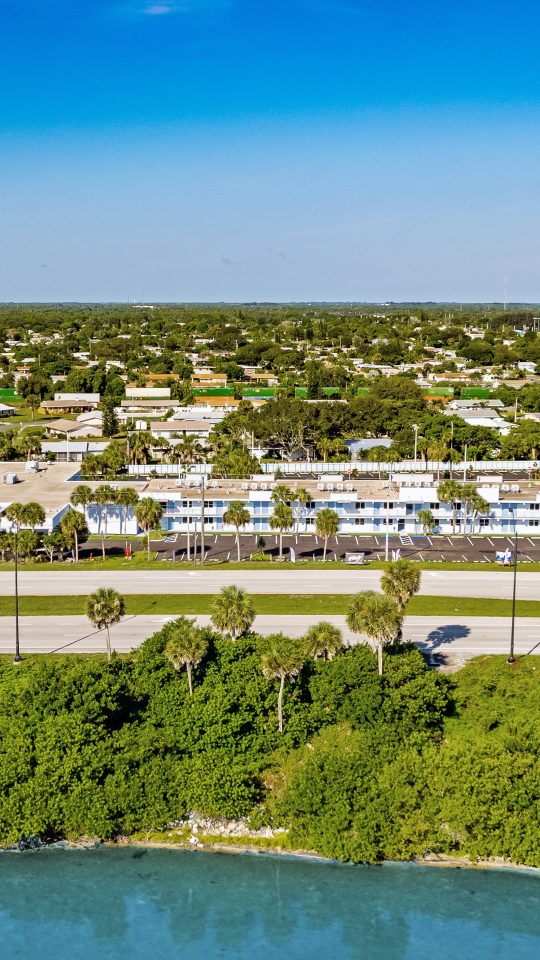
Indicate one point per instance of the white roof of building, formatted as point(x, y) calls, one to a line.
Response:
point(87, 397)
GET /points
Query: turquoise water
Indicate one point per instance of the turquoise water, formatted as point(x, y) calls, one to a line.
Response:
point(154, 904)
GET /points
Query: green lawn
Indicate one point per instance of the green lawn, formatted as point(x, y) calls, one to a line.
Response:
point(318, 605)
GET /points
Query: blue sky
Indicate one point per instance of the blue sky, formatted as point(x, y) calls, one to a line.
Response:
point(279, 150)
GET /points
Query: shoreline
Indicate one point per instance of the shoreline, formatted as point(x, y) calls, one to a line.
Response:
point(445, 861)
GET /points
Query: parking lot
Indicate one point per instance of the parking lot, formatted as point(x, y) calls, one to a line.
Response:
point(477, 549)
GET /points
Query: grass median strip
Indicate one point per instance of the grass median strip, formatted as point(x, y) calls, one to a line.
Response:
point(320, 605)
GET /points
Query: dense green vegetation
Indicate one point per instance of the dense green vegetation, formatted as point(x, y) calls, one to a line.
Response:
point(366, 767)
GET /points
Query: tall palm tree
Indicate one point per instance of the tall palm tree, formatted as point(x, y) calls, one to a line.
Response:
point(326, 525)
point(82, 496)
point(478, 506)
point(427, 521)
point(282, 660)
point(283, 494)
point(323, 640)
point(237, 515)
point(126, 498)
point(400, 581)
point(73, 525)
point(300, 498)
point(329, 445)
point(437, 451)
point(140, 446)
point(233, 612)
point(148, 513)
point(104, 608)
point(103, 497)
point(33, 400)
point(282, 519)
point(449, 492)
point(189, 451)
point(473, 503)
point(187, 646)
point(378, 617)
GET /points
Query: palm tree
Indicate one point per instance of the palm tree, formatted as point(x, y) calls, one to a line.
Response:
point(186, 647)
point(323, 640)
point(16, 514)
point(140, 446)
point(427, 520)
point(126, 498)
point(237, 515)
point(283, 494)
point(103, 496)
point(34, 515)
point(189, 451)
point(29, 445)
point(233, 612)
point(326, 525)
point(400, 581)
point(449, 492)
point(282, 519)
point(473, 502)
point(92, 467)
point(82, 496)
point(477, 506)
point(327, 445)
point(378, 617)
point(300, 498)
point(104, 608)
point(282, 660)
point(148, 513)
point(33, 400)
point(73, 525)
point(437, 451)
point(30, 515)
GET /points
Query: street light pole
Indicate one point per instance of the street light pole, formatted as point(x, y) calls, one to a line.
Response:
point(415, 428)
point(511, 658)
point(17, 658)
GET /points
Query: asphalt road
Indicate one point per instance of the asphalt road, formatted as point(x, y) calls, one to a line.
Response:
point(451, 583)
point(442, 638)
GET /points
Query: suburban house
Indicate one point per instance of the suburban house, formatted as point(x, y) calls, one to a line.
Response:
point(482, 417)
point(72, 428)
point(71, 403)
point(175, 429)
point(207, 378)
